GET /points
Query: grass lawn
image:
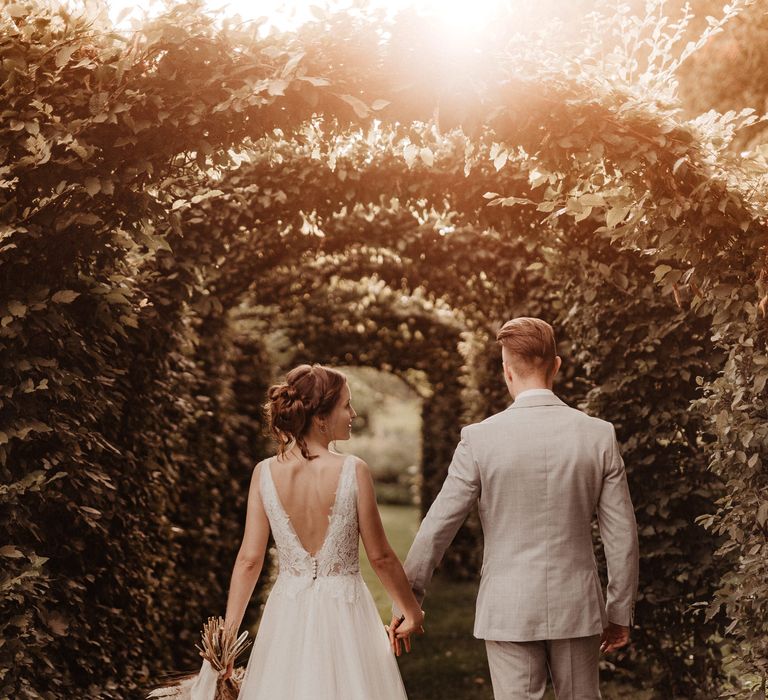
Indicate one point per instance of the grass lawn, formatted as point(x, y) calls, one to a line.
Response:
point(447, 662)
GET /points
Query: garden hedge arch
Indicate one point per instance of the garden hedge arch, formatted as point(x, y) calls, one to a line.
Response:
point(110, 309)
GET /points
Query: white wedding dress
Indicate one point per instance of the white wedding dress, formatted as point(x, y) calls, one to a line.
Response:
point(320, 637)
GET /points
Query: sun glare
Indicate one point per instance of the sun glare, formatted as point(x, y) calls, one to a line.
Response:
point(462, 15)
point(456, 17)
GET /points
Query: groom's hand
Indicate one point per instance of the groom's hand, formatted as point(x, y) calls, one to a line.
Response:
point(614, 637)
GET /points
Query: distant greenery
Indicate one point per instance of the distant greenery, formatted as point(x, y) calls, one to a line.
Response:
point(387, 433)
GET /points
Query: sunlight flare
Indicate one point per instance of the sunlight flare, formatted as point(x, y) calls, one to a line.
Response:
point(455, 18)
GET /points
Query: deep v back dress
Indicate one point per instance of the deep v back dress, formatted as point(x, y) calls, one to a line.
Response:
point(320, 636)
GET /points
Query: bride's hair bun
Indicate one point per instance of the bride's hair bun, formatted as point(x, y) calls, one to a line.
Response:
point(286, 409)
point(284, 392)
point(308, 391)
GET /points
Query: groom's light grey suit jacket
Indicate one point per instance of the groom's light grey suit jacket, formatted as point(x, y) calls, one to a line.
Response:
point(540, 471)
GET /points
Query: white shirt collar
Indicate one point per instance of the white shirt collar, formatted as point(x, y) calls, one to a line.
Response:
point(535, 392)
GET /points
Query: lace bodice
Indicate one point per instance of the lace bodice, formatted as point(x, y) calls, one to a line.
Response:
point(339, 553)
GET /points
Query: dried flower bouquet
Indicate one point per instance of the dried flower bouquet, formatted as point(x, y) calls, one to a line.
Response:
point(220, 648)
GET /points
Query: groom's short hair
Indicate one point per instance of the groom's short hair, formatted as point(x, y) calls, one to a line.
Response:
point(530, 342)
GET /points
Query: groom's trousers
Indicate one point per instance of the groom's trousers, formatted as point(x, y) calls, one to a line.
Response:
point(519, 669)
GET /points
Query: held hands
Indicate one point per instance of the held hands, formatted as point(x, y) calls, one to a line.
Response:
point(400, 630)
point(614, 637)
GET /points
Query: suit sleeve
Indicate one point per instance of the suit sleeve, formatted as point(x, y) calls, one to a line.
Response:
point(458, 494)
point(618, 531)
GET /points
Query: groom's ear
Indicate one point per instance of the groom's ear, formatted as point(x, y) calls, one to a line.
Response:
point(558, 364)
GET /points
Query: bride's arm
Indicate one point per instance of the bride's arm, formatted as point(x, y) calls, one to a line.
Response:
point(381, 555)
point(250, 558)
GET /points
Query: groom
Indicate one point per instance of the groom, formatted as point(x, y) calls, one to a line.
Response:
point(539, 471)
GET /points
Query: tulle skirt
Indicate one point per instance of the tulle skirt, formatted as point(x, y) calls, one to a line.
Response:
point(321, 639)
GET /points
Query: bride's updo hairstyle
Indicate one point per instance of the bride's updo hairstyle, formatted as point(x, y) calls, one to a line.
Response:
point(308, 391)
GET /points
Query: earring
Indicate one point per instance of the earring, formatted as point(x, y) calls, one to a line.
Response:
point(322, 428)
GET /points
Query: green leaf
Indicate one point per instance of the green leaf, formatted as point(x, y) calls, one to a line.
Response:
point(65, 296)
point(616, 215)
point(63, 55)
point(292, 63)
point(538, 177)
point(277, 87)
point(760, 381)
point(202, 197)
point(592, 200)
point(17, 308)
point(92, 185)
point(410, 152)
point(313, 80)
point(762, 514)
point(427, 156)
point(360, 108)
point(57, 623)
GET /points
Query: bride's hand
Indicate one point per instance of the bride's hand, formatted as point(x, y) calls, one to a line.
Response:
point(411, 624)
point(227, 672)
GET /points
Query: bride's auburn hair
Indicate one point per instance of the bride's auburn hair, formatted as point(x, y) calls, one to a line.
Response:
point(308, 391)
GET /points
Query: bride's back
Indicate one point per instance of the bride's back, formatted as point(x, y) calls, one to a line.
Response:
point(307, 492)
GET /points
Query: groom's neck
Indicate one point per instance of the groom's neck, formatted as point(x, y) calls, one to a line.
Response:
point(533, 383)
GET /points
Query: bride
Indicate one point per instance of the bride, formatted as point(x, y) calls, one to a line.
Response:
point(320, 635)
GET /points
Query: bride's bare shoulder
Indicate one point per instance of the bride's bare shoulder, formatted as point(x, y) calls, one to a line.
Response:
point(342, 457)
point(257, 468)
point(362, 468)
